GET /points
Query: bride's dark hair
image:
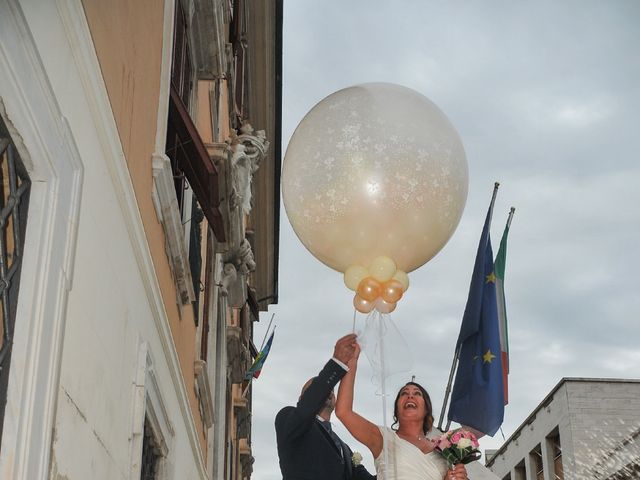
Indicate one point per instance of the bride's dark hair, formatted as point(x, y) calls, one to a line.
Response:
point(428, 418)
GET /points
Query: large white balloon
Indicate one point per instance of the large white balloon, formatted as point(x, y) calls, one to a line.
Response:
point(374, 170)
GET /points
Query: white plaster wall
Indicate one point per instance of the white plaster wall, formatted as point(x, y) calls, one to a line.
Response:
point(113, 304)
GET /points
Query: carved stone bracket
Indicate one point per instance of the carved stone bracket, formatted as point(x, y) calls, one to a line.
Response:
point(239, 263)
point(229, 276)
point(248, 150)
point(245, 262)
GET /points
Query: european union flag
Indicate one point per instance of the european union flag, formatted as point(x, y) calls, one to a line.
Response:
point(477, 399)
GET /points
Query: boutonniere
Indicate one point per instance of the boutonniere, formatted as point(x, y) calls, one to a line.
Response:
point(356, 459)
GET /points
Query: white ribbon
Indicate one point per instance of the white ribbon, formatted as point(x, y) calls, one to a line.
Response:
point(388, 354)
point(384, 347)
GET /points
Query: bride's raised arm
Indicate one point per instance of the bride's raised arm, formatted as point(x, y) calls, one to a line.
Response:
point(362, 429)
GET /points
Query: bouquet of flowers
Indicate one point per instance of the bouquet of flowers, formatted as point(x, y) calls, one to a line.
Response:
point(458, 446)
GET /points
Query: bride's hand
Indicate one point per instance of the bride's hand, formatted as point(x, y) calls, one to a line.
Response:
point(458, 472)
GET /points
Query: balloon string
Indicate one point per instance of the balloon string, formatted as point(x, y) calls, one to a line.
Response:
point(384, 392)
point(353, 328)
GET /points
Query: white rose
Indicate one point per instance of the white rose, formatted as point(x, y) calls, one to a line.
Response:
point(464, 443)
point(356, 458)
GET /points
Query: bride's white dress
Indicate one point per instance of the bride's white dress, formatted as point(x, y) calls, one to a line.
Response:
point(405, 461)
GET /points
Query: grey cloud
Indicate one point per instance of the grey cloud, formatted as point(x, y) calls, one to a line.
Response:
point(545, 98)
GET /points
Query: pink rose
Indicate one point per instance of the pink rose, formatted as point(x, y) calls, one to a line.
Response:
point(443, 443)
point(455, 438)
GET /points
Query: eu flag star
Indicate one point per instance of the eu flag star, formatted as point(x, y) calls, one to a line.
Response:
point(488, 357)
point(491, 278)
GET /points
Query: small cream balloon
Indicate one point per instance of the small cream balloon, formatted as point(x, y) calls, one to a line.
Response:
point(403, 278)
point(382, 268)
point(354, 275)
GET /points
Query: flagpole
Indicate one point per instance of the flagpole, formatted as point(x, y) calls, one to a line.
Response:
point(496, 185)
point(456, 354)
point(244, 392)
point(267, 332)
point(511, 212)
point(448, 389)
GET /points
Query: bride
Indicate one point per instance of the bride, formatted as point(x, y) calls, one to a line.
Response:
point(410, 449)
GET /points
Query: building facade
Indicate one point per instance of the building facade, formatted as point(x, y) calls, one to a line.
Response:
point(140, 159)
point(583, 429)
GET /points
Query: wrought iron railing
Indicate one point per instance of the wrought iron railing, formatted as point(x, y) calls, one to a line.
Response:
point(14, 202)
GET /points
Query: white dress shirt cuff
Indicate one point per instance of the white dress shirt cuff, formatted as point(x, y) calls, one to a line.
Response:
point(346, 369)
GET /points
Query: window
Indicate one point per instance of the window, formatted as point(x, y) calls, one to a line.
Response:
point(238, 36)
point(536, 462)
point(520, 472)
point(152, 433)
point(187, 169)
point(181, 64)
point(151, 454)
point(182, 83)
point(553, 442)
point(190, 162)
point(14, 203)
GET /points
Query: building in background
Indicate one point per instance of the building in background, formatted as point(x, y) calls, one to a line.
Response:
point(584, 429)
point(140, 164)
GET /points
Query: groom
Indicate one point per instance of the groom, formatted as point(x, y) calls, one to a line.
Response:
point(307, 446)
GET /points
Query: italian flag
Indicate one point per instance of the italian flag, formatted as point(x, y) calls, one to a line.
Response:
point(498, 268)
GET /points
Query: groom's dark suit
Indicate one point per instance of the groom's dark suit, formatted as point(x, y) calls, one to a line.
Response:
point(305, 446)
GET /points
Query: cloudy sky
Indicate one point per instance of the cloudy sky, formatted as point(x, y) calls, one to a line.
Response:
point(545, 96)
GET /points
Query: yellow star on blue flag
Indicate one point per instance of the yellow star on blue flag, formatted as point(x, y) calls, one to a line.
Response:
point(488, 357)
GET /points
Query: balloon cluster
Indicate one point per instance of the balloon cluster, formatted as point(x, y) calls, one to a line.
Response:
point(380, 286)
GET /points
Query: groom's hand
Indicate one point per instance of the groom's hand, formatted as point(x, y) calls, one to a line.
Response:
point(345, 348)
point(353, 362)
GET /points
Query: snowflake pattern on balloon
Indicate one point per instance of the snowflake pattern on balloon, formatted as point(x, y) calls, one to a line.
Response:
point(371, 164)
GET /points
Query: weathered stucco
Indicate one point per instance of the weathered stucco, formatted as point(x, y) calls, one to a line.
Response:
point(128, 40)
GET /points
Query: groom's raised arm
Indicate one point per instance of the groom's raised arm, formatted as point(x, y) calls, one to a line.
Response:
point(293, 421)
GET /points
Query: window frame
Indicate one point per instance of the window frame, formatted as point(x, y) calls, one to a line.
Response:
point(48, 150)
point(150, 409)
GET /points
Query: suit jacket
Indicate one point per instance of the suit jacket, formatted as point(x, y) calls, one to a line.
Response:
point(305, 448)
